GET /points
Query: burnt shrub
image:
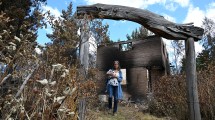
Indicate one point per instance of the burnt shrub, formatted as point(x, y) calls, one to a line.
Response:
point(170, 95)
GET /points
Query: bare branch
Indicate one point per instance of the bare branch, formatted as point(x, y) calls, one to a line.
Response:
point(5, 78)
point(26, 80)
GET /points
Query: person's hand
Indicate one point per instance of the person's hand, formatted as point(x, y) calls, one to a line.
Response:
point(114, 75)
point(109, 72)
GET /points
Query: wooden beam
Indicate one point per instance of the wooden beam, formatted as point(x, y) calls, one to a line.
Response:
point(154, 22)
point(191, 78)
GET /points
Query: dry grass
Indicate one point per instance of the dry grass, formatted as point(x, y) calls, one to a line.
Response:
point(170, 97)
point(125, 112)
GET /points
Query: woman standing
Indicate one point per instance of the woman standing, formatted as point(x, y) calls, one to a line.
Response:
point(114, 86)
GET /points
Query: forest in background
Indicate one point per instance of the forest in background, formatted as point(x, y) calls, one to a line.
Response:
point(47, 85)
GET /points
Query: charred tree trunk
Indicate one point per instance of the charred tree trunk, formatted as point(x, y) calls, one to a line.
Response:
point(192, 90)
point(154, 22)
point(84, 60)
point(84, 44)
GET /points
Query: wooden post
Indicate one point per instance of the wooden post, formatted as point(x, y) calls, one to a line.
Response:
point(191, 77)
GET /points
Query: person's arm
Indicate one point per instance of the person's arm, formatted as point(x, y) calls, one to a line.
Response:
point(109, 74)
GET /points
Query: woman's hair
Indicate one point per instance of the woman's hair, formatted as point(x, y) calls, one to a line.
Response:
point(116, 61)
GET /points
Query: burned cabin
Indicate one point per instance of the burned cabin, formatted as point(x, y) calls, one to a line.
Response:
point(142, 62)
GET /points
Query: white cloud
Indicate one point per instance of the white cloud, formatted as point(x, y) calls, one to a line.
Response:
point(198, 48)
point(210, 12)
point(53, 11)
point(195, 15)
point(171, 6)
point(168, 17)
point(168, 4)
point(182, 3)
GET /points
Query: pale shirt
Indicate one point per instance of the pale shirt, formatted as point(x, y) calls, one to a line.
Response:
point(113, 81)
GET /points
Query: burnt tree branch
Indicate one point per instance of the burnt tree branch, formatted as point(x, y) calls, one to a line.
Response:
point(154, 22)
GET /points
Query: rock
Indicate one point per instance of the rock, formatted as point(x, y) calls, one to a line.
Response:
point(103, 98)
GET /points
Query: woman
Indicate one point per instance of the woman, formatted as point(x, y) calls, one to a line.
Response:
point(113, 86)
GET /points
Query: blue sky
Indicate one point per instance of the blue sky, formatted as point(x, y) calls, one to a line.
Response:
point(179, 11)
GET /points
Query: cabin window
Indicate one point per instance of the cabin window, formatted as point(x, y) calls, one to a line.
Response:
point(125, 46)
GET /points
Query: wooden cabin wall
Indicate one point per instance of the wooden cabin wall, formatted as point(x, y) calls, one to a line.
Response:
point(144, 53)
point(101, 82)
point(156, 74)
point(137, 82)
point(105, 57)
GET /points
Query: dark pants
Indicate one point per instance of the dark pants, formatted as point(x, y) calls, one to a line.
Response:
point(113, 91)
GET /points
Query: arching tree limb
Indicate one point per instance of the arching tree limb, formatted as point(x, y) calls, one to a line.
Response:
point(154, 22)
